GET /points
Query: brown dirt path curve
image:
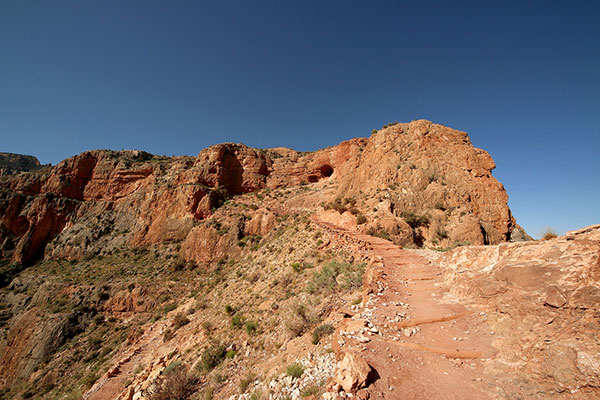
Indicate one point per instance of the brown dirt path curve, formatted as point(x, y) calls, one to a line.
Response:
point(147, 350)
point(423, 341)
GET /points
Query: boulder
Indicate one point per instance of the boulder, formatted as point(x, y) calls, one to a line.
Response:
point(352, 373)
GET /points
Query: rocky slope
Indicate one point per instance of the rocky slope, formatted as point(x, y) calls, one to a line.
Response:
point(11, 163)
point(515, 320)
point(245, 273)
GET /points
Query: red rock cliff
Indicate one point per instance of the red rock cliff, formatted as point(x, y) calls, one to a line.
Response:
point(103, 199)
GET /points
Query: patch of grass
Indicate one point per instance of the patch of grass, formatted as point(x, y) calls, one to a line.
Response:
point(297, 267)
point(312, 390)
point(231, 354)
point(360, 219)
point(172, 366)
point(320, 332)
point(229, 309)
point(256, 395)
point(169, 307)
point(211, 357)
point(441, 233)
point(379, 232)
point(176, 384)
point(295, 370)
point(251, 327)
point(245, 382)
point(180, 320)
point(454, 245)
point(415, 220)
point(548, 233)
point(326, 279)
point(8, 271)
point(237, 321)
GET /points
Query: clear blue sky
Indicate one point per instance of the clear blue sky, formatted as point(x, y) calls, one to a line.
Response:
point(173, 77)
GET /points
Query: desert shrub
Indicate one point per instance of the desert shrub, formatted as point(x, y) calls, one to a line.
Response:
point(172, 366)
point(169, 334)
point(296, 326)
point(454, 245)
point(548, 233)
point(338, 205)
point(211, 357)
point(374, 131)
point(169, 307)
point(295, 370)
point(432, 177)
point(441, 233)
point(312, 390)
point(414, 220)
point(176, 384)
point(299, 320)
point(177, 265)
point(360, 219)
point(237, 321)
point(207, 393)
point(320, 332)
point(231, 354)
point(256, 394)
point(440, 206)
point(326, 279)
point(245, 382)
point(297, 267)
point(378, 232)
point(229, 309)
point(180, 320)
point(207, 326)
point(301, 311)
point(251, 327)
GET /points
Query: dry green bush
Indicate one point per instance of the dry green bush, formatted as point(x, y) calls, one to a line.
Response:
point(175, 384)
point(548, 233)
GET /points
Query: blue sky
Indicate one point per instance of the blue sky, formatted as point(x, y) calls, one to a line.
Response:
point(522, 78)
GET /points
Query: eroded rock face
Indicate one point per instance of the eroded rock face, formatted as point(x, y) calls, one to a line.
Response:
point(101, 200)
point(542, 300)
point(11, 163)
point(262, 223)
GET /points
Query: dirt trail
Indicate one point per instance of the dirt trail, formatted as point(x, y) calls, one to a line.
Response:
point(423, 342)
point(146, 352)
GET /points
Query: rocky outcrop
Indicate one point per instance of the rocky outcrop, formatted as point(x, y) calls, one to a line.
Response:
point(542, 300)
point(477, 321)
point(11, 163)
point(101, 200)
point(352, 373)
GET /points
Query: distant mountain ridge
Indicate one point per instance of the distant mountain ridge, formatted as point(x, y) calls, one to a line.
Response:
point(11, 163)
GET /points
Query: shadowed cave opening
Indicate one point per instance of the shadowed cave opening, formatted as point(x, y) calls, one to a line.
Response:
point(326, 171)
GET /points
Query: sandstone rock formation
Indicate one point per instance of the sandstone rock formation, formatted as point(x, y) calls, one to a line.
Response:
point(542, 300)
point(11, 163)
point(100, 200)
